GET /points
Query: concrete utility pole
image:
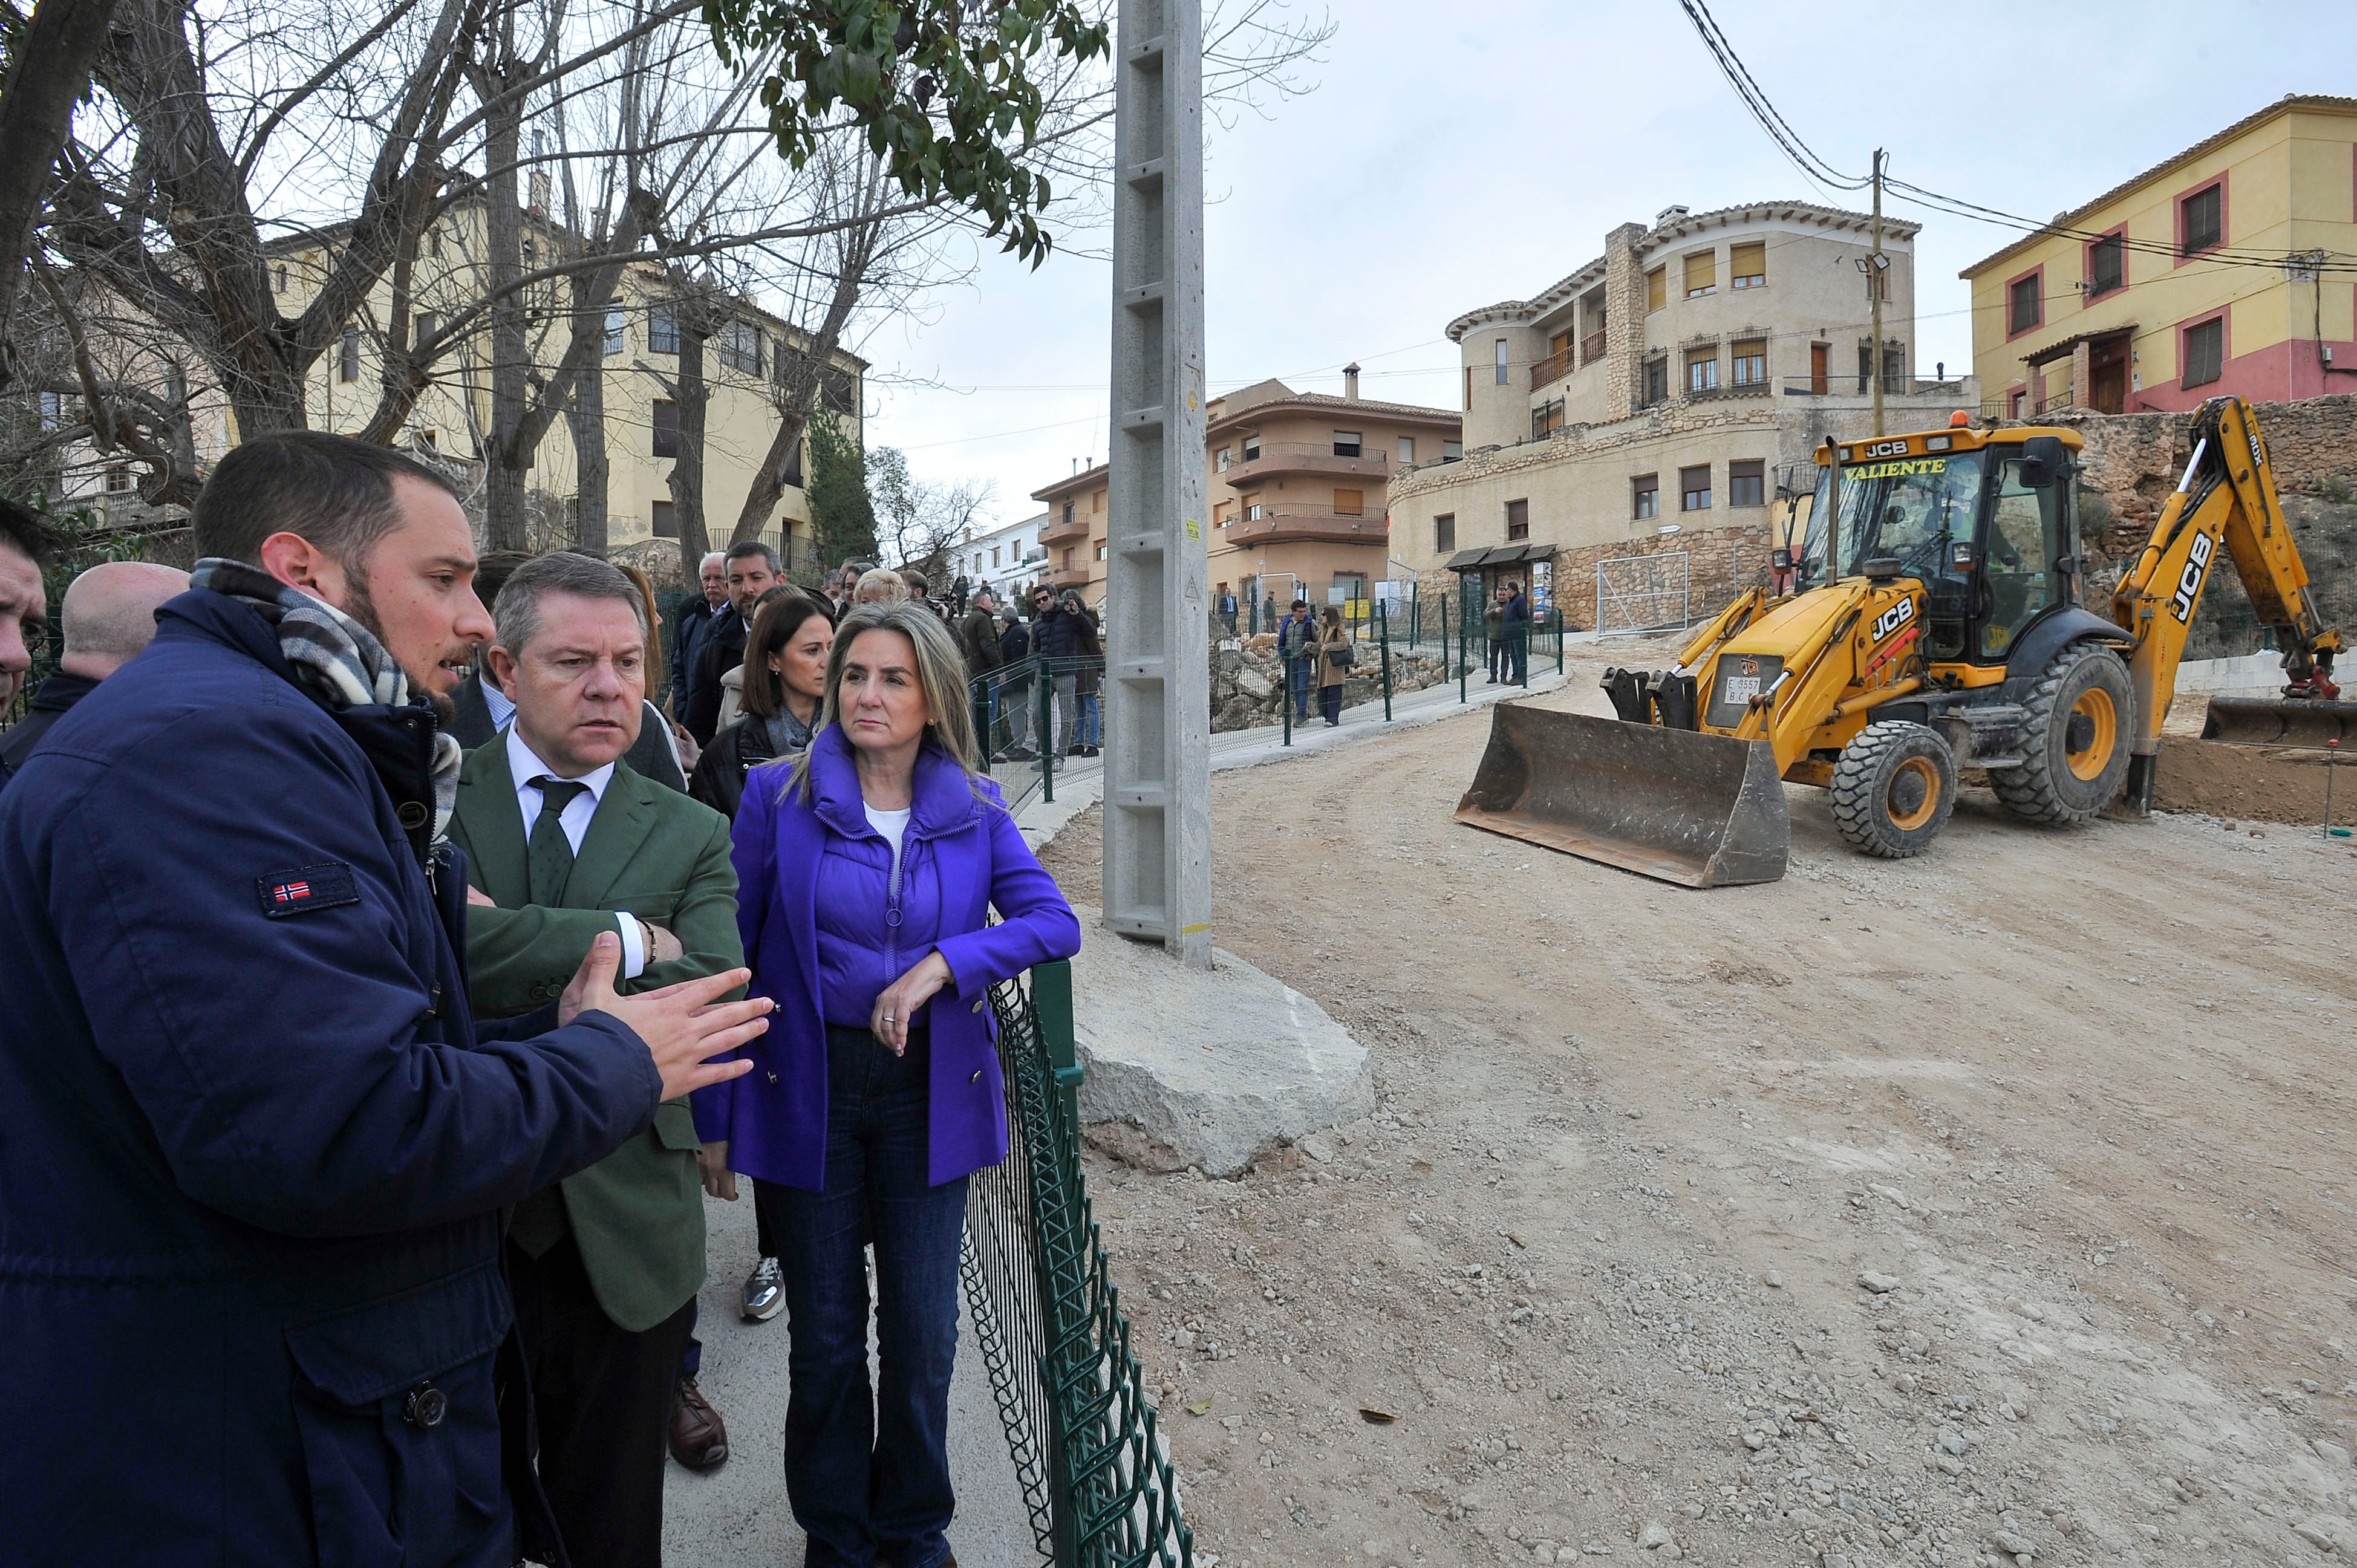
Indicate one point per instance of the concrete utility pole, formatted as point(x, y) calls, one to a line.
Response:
point(1158, 819)
point(1877, 269)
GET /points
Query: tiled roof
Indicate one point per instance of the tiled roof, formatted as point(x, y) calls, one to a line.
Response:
point(1592, 271)
point(2283, 105)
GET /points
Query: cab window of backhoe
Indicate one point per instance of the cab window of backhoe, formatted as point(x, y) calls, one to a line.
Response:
point(1910, 510)
point(2025, 536)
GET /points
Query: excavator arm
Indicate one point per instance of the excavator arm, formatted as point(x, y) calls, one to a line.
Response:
point(2226, 500)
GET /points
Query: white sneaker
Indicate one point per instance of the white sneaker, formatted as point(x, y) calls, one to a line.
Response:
point(764, 1292)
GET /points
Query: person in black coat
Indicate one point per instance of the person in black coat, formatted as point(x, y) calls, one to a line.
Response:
point(753, 570)
point(253, 1147)
point(1015, 684)
point(694, 614)
point(108, 615)
point(785, 680)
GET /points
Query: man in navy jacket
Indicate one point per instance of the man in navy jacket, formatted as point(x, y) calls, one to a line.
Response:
point(252, 1147)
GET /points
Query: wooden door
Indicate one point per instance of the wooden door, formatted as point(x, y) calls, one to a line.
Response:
point(1820, 355)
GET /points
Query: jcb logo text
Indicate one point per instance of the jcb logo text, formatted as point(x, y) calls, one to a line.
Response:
point(2189, 582)
point(1894, 617)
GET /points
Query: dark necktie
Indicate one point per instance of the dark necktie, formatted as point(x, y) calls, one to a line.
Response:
point(549, 854)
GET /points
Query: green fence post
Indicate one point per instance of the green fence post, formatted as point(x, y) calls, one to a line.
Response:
point(1384, 641)
point(1051, 993)
point(1462, 621)
point(1048, 758)
point(1558, 639)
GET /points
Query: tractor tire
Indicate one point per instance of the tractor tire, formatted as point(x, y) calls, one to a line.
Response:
point(1893, 788)
point(2075, 735)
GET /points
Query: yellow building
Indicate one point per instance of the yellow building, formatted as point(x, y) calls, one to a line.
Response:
point(2224, 270)
point(746, 357)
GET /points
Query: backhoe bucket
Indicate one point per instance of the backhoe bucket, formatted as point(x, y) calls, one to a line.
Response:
point(2280, 721)
point(1699, 809)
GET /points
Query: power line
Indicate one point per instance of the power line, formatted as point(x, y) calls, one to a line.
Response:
point(1780, 130)
point(1738, 76)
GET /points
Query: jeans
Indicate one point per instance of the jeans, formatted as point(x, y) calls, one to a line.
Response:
point(1068, 713)
point(1092, 719)
point(1014, 703)
point(867, 1470)
point(1497, 665)
point(1518, 654)
point(1301, 673)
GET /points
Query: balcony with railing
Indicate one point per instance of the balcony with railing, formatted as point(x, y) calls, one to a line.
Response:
point(1066, 532)
point(1290, 522)
point(1552, 369)
point(1591, 347)
point(1074, 576)
point(1283, 459)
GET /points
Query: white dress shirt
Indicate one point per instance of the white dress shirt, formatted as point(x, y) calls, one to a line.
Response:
point(497, 702)
point(527, 768)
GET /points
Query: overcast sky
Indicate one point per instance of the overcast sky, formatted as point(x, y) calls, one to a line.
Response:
point(1437, 167)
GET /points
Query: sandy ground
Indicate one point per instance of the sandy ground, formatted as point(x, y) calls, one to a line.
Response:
point(1997, 1201)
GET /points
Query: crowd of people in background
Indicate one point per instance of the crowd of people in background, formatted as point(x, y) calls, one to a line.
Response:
point(406, 943)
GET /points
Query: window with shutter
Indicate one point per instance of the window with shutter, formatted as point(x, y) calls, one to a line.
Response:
point(1518, 520)
point(1747, 483)
point(1502, 361)
point(2203, 224)
point(614, 318)
point(2023, 302)
point(1702, 273)
point(1751, 362)
point(1349, 503)
point(1693, 488)
point(663, 331)
point(1443, 533)
point(666, 428)
point(666, 520)
point(2205, 353)
point(1748, 264)
point(1346, 444)
point(2106, 265)
point(1645, 497)
point(1657, 381)
point(1657, 289)
point(1702, 369)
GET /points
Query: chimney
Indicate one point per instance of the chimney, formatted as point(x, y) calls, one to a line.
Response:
point(1668, 215)
point(538, 186)
point(1350, 380)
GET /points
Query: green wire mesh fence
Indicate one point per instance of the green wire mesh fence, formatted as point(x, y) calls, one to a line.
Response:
point(1095, 1478)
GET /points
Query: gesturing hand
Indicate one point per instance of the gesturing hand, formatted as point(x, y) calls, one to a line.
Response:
point(897, 1008)
point(684, 1025)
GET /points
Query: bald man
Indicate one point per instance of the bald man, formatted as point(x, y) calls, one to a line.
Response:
point(109, 614)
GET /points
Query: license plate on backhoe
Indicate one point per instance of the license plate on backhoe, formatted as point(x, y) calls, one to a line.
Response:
point(1740, 689)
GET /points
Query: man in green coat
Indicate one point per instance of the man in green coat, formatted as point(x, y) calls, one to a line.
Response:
point(565, 843)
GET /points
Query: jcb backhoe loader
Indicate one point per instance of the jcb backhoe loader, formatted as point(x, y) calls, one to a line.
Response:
point(1946, 632)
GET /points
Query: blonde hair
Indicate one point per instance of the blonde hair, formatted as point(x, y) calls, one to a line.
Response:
point(880, 586)
point(650, 621)
point(941, 677)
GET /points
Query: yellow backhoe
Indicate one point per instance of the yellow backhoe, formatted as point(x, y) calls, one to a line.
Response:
point(1946, 632)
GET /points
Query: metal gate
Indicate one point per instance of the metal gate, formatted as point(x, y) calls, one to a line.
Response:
point(1642, 593)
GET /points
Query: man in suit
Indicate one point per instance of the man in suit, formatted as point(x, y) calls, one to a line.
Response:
point(480, 709)
point(694, 616)
point(564, 840)
point(108, 615)
point(752, 571)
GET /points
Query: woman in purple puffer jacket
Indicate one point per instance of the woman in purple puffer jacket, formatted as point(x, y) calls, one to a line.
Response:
point(865, 872)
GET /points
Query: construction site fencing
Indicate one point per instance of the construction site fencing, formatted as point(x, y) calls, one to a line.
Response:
point(1095, 1476)
point(1029, 714)
point(1412, 647)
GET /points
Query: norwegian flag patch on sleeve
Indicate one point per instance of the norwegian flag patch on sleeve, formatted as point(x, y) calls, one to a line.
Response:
point(308, 888)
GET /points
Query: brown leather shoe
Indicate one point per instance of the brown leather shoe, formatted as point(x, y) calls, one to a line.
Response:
point(699, 1438)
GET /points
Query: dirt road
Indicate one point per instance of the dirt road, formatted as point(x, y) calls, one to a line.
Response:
point(1997, 1201)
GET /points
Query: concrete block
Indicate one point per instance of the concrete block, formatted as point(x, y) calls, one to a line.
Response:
point(1206, 1069)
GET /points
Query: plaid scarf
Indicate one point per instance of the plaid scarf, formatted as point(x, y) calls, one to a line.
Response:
point(336, 659)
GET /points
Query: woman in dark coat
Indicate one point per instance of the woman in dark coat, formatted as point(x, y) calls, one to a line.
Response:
point(866, 872)
point(785, 676)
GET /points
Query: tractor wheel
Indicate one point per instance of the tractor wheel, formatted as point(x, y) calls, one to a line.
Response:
point(2074, 737)
point(1893, 788)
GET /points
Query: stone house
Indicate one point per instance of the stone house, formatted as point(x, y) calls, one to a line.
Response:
point(1648, 408)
